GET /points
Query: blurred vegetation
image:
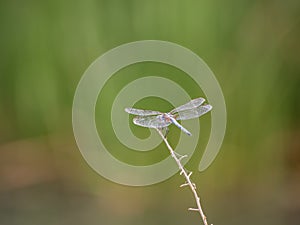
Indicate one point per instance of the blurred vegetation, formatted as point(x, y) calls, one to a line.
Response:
point(252, 47)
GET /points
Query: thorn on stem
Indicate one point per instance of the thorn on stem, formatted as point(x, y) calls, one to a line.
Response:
point(182, 157)
point(183, 185)
point(194, 209)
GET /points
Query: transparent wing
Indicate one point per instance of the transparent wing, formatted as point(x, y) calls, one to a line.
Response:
point(193, 113)
point(190, 105)
point(141, 112)
point(151, 121)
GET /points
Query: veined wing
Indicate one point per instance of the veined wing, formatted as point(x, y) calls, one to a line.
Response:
point(193, 113)
point(141, 112)
point(151, 121)
point(190, 105)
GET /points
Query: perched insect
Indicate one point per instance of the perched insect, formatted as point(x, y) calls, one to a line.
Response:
point(159, 120)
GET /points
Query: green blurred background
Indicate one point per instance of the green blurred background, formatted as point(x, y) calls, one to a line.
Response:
point(252, 47)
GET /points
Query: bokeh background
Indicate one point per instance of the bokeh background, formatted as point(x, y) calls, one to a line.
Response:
point(252, 47)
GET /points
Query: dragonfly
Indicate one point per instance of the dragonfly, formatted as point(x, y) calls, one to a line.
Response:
point(159, 120)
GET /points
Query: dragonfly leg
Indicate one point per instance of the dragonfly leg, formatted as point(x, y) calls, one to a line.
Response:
point(166, 131)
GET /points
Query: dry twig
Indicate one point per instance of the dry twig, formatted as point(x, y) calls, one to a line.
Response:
point(187, 176)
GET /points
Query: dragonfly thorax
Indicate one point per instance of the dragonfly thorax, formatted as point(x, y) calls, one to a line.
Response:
point(167, 116)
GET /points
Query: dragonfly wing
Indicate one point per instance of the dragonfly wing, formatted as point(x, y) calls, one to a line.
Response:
point(190, 105)
point(151, 121)
point(141, 112)
point(193, 113)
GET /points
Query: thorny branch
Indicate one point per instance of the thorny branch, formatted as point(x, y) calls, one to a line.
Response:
point(187, 176)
